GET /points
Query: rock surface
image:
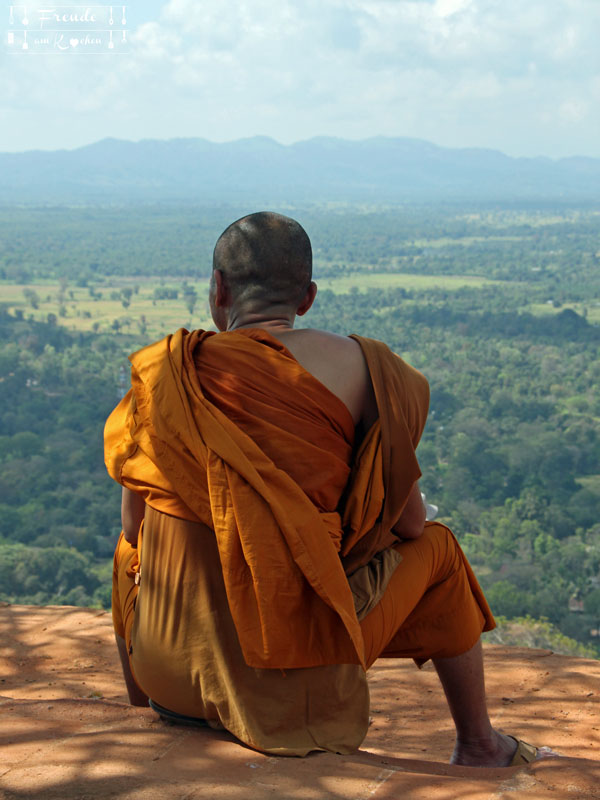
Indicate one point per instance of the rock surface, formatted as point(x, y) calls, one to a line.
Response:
point(67, 732)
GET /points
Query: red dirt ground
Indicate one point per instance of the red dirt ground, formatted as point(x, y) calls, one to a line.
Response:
point(66, 731)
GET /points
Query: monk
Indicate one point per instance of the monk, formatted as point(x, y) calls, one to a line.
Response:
point(274, 539)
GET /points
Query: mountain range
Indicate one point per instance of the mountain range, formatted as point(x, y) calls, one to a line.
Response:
point(259, 169)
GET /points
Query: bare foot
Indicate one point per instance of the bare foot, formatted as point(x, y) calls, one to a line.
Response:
point(496, 751)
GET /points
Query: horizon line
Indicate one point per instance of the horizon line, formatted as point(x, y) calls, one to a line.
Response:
point(295, 143)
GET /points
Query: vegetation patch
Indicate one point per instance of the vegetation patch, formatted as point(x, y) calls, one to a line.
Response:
point(498, 307)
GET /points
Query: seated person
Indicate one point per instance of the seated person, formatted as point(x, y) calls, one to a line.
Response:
point(274, 538)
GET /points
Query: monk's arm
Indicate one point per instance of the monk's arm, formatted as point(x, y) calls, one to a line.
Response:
point(412, 520)
point(132, 514)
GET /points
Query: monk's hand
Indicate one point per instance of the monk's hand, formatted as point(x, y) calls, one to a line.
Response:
point(133, 509)
point(412, 520)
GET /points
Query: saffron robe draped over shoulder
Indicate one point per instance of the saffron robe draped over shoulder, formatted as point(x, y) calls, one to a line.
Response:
point(285, 550)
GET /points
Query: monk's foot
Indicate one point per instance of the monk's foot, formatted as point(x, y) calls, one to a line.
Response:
point(497, 750)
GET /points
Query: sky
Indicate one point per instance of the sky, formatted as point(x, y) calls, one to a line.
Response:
point(520, 76)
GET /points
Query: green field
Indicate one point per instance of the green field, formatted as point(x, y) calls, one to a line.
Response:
point(464, 241)
point(589, 310)
point(104, 310)
point(590, 482)
point(402, 280)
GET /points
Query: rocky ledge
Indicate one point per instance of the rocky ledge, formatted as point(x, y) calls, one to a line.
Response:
point(67, 732)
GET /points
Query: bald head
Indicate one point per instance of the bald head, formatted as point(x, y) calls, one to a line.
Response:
point(265, 257)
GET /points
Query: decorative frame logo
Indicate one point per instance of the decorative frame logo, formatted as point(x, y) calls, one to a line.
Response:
point(67, 30)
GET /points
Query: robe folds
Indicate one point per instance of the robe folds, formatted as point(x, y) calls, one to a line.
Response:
point(287, 588)
point(268, 577)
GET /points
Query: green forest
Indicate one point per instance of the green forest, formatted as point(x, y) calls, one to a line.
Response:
point(498, 306)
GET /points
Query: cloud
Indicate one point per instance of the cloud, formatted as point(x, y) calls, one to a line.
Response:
point(502, 73)
point(445, 8)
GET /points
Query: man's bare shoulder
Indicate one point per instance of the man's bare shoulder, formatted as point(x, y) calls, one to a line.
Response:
point(333, 339)
point(322, 346)
point(337, 361)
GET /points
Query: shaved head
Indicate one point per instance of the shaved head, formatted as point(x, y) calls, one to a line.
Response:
point(265, 256)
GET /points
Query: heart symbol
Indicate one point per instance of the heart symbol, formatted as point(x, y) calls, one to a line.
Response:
point(73, 42)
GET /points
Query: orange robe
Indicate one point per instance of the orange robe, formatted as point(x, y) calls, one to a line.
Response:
point(260, 504)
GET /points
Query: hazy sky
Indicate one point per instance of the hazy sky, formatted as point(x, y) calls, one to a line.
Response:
point(521, 76)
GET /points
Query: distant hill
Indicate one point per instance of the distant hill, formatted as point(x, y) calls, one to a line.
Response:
point(259, 169)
